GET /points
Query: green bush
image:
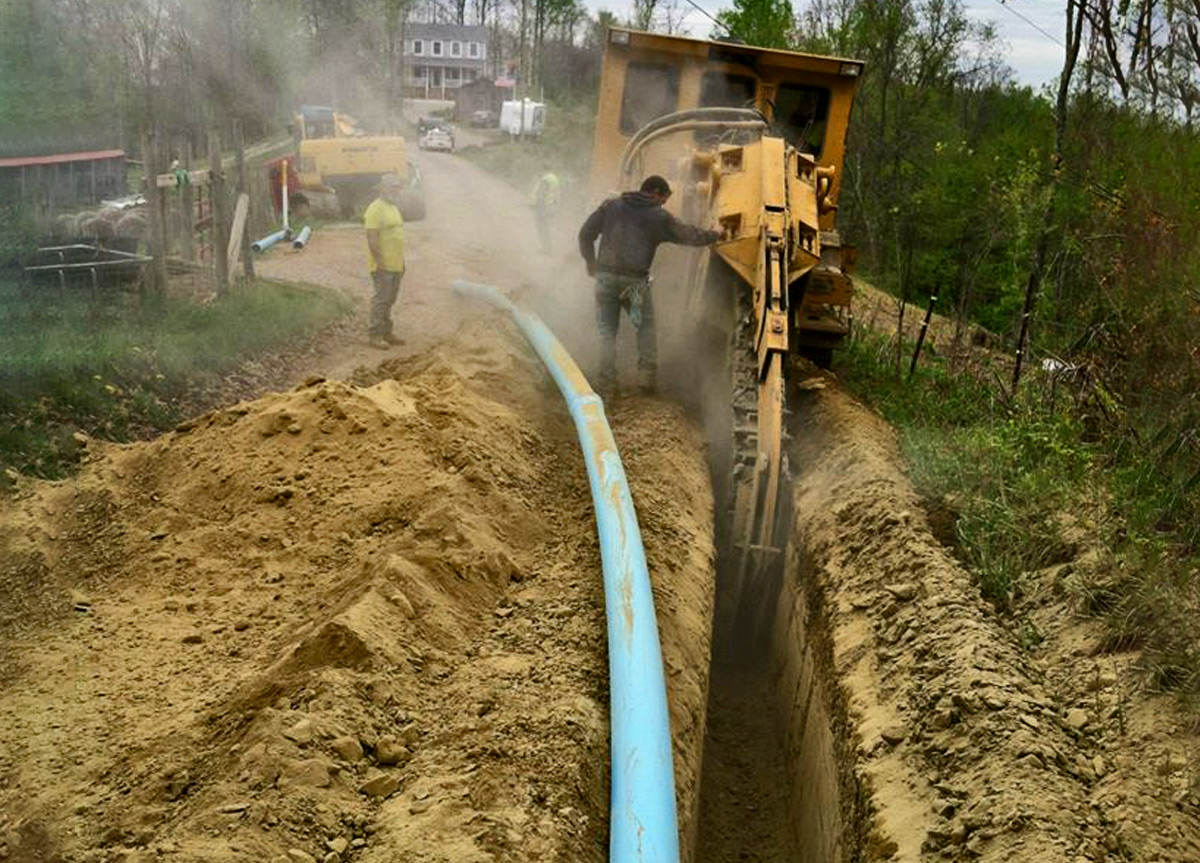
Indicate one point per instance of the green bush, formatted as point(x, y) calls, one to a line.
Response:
point(1007, 470)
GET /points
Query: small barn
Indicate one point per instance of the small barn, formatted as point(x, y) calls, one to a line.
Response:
point(482, 94)
point(63, 181)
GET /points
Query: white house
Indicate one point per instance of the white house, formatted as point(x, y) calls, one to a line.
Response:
point(443, 57)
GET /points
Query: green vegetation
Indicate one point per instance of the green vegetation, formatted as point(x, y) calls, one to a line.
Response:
point(113, 367)
point(17, 238)
point(769, 23)
point(1017, 485)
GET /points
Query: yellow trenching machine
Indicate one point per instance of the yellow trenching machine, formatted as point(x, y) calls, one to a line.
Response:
point(752, 140)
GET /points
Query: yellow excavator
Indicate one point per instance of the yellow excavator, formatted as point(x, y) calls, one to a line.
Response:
point(752, 141)
point(337, 158)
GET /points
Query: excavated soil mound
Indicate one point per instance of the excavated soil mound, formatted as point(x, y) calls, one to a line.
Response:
point(340, 623)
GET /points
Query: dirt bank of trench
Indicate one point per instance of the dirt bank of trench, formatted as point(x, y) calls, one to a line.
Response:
point(915, 722)
point(339, 623)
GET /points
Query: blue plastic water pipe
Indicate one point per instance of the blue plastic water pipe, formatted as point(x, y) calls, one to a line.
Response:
point(269, 240)
point(644, 828)
point(302, 238)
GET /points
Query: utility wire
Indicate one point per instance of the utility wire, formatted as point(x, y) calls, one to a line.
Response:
point(704, 12)
point(1028, 21)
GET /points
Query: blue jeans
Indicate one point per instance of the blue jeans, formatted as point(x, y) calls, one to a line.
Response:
point(615, 292)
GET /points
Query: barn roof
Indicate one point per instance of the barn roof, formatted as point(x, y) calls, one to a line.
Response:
point(91, 156)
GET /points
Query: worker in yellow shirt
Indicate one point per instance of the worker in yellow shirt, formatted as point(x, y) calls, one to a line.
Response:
point(385, 256)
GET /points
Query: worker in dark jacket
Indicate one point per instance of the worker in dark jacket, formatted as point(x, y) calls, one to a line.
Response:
point(631, 227)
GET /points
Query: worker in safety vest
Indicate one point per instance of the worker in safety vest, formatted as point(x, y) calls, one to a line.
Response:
point(545, 196)
point(631, 227)
point(385, 258)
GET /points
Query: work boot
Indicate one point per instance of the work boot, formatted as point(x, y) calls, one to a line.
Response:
point(393, 339)
point(379, 342)
point(647, 381)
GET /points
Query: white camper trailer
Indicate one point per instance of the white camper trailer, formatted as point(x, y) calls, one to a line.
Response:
point(523, 117)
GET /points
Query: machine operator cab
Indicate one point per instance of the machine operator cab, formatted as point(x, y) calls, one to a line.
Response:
point(692, 111)
point(805, 98)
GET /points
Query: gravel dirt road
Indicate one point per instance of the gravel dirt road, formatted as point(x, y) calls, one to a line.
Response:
point(477, 227)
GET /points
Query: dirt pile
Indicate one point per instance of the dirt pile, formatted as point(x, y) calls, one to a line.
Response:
point(339, 623)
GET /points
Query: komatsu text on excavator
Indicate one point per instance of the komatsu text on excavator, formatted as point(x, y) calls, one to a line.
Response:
point(752, 140)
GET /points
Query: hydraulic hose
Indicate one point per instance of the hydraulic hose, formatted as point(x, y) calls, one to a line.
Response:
point(715, 114)
point(644, 828)
point(684, 126)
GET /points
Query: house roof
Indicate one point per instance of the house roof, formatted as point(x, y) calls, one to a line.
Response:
point(90, 156)
point(461, 32)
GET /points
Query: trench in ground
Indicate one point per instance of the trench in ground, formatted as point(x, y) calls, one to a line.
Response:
point(769, 787)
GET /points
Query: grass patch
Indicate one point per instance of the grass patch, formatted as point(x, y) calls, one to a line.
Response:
point(1008, 472)
point(1022, 475)
point(113, 366)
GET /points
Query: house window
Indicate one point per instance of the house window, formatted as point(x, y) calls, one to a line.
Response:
point(418, 71)
point(437, 49)
point(456, 49)
point(418, 46)
point(472, 49)
point(468, 75)
point(452, 73)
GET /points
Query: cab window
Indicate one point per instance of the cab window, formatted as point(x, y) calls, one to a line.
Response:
point(651, 90)
point(801, 112)
point(720, 90)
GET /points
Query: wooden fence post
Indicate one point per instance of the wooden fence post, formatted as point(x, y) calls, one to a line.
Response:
point(243, 188)
point(220, 217)
point(912, 367)
point(157, 238)
point(187, 200)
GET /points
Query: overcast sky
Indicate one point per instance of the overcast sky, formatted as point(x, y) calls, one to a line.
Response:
point(1034, 56)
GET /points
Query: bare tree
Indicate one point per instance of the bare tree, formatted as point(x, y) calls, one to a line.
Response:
point(1076, 10)
point(671, 18)
point(643, 13)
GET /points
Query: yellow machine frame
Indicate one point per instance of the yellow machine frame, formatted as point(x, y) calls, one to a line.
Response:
point(694, 58)
point(702, 114)
point(820, 321)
